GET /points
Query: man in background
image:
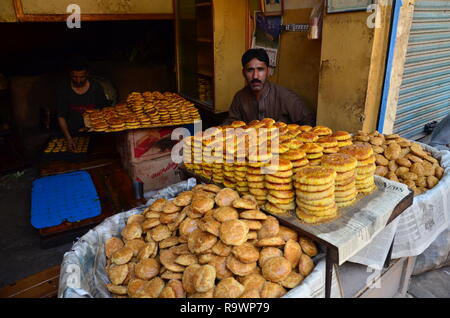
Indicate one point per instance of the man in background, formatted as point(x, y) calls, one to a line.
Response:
point(75, 96)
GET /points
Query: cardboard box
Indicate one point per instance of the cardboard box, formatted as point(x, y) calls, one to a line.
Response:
point(145, 144)
point(155, 174)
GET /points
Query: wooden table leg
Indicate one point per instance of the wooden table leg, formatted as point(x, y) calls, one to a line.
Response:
point(331, 261)
point(328, 273)
point(388, 257)
point(338, 277)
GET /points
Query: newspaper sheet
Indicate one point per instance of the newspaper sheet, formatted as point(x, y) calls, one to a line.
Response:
point(374, 255)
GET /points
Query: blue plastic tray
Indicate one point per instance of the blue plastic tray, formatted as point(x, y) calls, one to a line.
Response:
point(70, 196)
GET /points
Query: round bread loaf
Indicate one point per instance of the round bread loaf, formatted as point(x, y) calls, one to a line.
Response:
point(359, 151)
point(340, 162)
point(315, 175)
point(276, 269)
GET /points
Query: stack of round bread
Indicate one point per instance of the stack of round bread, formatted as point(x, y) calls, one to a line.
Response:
point(197, 150)
point(188, 154)
point(365, 182)
point(305, 128)
point(307, 137)
point(258, 157)
point(343, 138)
point(315, 194)
point(278, 182)
point(329, 144)
point(207, 170)
point(345, 184)
point(228, 175)
point(256, 187)
point(322, 131)
point(240, 175)
point(207, 242)
point(314, 153)
point(208, 158)
point(297, 157)
point(217, 171)
point(402, 160)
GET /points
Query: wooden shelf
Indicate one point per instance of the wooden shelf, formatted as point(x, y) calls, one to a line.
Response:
point(204, 40)
point(211, 36)
point(203, 4)
point(204, 105)
point(205, 70)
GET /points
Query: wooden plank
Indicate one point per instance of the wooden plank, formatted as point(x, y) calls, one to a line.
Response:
point(23, 17)
point(401, 48)
point(41, 285)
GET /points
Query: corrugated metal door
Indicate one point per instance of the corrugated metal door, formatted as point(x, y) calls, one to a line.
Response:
point(425, 90)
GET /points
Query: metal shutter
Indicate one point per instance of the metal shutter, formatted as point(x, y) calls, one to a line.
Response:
point(425, 91)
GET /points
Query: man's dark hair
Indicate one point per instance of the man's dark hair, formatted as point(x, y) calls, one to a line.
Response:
point(259, 54)
point(78, 64)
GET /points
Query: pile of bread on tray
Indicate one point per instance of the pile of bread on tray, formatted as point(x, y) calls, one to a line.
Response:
point(311, 170)
point(58, 145)
point(206, 242)
point(402, 160)
point(142, 110)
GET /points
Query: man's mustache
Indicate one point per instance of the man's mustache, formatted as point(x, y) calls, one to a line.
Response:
point(256, 81)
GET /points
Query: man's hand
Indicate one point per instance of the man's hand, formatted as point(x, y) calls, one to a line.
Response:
point(63, 125)
point(71, 145)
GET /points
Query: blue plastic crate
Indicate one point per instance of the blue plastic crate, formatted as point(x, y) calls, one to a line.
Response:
point(70, 196)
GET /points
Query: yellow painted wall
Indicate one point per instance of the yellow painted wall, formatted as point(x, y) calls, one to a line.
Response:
point(229, 45)
point(99, 6)
point(352, 70)
point(7, 13)
point(299, 59)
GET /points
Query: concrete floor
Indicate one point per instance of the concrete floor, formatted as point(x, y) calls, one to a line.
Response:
point(20, 251)
point(432, 284)
point(21, 254)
